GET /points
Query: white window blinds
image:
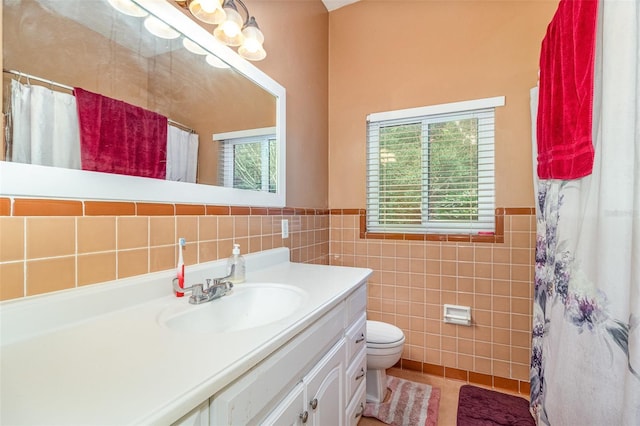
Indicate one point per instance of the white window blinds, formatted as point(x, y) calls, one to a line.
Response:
point(433, 172)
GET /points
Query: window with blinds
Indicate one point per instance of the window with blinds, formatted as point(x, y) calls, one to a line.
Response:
point(431, 169)
point(249, 163)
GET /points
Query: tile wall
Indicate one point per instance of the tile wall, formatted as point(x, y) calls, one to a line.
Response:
point(49, 245)
point(412, 280)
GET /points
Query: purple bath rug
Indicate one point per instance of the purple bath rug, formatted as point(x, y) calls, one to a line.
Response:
point(484, 407)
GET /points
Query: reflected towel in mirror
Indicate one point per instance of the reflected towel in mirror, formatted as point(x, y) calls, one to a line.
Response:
point(117, 137)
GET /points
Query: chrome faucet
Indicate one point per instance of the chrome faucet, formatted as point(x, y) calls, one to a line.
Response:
point(220, 287)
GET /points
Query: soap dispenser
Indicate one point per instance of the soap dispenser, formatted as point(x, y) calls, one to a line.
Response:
point(237, 260)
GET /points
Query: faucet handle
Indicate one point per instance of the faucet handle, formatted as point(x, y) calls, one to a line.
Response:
point(197, 294)
point(223, 280)
point(208, 280)
point(197, 290)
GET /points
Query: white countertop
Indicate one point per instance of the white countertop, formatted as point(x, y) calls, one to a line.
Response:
point(84, 357)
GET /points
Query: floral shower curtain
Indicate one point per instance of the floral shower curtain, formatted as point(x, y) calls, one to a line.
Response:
point(585, 364)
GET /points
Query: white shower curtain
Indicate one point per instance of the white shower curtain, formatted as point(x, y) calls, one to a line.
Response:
point(585, 365)
point(45, 127)
point(182, 155)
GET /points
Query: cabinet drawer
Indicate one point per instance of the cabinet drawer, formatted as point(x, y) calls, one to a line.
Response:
point(356, 337)
point(356, 406)
point(356, 373)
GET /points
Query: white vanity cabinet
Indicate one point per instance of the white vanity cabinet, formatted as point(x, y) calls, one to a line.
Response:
point(318, 400)
point(308, 380)
point(271, 371)
point(199, 416)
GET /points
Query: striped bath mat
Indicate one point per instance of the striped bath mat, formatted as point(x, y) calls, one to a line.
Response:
point(410, 404)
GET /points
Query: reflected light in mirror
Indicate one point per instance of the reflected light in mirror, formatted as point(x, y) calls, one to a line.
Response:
point(193, 47)
point(215, 62)
point(159, 28)
point(128, 8)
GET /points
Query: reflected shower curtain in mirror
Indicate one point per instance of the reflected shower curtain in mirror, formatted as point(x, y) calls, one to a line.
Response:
point(44, 127)
point(585, 363)
point(182, 155)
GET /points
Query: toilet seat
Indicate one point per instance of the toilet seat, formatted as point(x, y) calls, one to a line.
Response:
point(381, 335)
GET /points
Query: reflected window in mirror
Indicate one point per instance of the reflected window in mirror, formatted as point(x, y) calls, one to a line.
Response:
point(248, 159)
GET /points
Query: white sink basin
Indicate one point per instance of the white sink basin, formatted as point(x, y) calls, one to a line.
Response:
point(249, 305)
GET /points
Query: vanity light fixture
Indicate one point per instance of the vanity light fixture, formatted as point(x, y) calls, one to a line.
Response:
point(231, 28)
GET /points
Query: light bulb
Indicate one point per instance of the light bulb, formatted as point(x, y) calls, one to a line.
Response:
point(251, 45)
point(229, 32)
point(256, 53)
point(251, 48)
point(209, 11)
point(230, 29)
point(209, 6)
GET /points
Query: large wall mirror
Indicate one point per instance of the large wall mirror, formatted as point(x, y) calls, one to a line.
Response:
point(199, 85)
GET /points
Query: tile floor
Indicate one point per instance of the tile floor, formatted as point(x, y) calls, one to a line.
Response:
point(449, 389)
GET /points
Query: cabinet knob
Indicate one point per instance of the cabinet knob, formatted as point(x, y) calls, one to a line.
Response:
point(360, 411)
point(314, 403)
point(361, 338)
point(304, 416)
point(361, 375)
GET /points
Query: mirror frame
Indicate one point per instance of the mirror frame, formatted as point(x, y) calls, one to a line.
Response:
point(33, 181)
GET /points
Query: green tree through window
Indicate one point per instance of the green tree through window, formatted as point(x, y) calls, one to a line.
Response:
point(453, 170)
point(252, 164)
point(401, 174)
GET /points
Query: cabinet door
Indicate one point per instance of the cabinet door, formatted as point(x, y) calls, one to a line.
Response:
point(325, 389)
point(290, 411)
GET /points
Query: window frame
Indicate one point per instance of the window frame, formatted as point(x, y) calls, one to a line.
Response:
point(483, 109)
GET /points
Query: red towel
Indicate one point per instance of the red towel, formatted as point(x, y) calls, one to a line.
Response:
point(117, 137)
point(565, 97)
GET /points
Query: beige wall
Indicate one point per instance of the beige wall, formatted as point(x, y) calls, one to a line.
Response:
point(402, 54)
point(420, 53)
point(296, 41)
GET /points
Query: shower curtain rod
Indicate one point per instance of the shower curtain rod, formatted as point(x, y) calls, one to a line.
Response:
point(64, 86)
point(41, 80)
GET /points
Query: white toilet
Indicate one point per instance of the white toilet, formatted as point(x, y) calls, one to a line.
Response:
point(384, 348)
